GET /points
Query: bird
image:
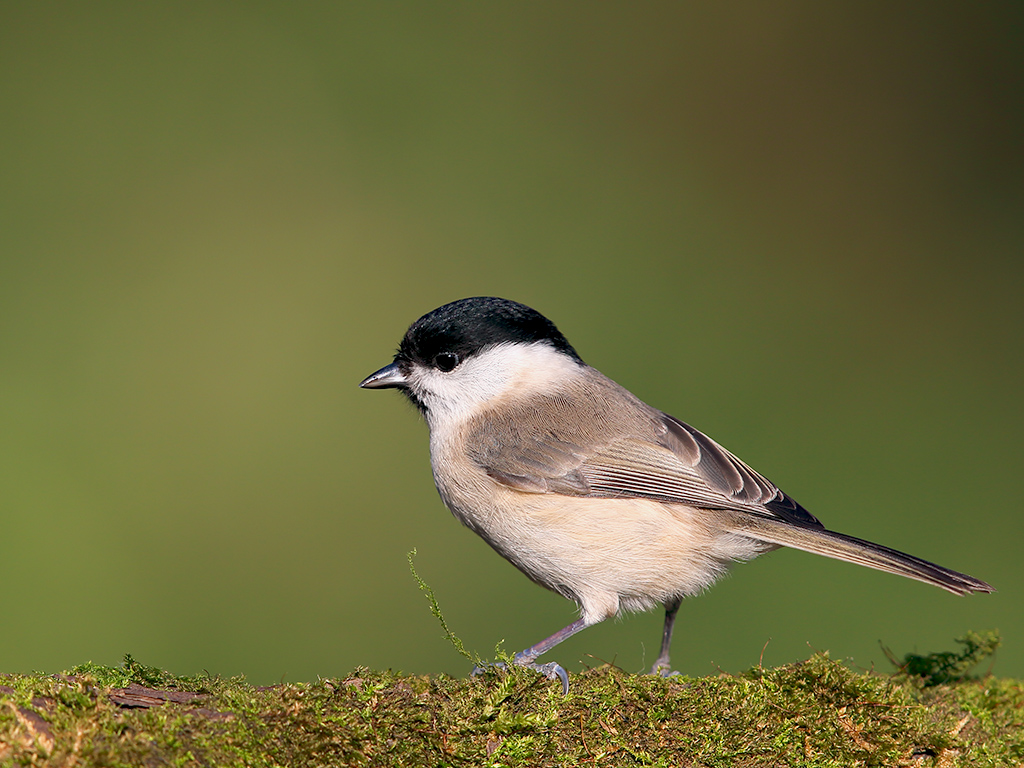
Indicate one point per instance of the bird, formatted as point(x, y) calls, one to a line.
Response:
point(586, 489)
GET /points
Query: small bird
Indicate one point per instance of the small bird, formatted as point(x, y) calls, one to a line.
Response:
point(585, 488)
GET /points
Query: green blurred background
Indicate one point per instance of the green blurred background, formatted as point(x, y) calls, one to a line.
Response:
point(797, 226)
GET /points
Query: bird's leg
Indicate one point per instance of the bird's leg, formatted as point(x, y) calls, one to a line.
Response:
point(662, 666)
point(551, 670)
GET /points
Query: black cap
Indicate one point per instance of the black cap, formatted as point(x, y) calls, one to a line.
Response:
point(466, 326)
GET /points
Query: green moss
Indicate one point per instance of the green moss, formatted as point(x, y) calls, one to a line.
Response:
point(132, 671)
point(815, 713)
point(948, 666)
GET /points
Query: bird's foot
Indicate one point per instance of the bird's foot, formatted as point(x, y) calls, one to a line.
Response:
point(551, 670)
point(662, 668)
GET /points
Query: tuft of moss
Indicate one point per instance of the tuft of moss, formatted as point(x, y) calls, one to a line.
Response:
point(132, 671)
point(814, 713)
point(948, 666)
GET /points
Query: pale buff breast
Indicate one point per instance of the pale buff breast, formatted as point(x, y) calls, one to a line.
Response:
point(608, 555)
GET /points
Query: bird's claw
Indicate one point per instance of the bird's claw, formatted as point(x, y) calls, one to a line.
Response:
point(552, 670)
point(481, 669)
point(664, 670)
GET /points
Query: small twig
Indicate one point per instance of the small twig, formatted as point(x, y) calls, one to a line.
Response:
point(760, 660)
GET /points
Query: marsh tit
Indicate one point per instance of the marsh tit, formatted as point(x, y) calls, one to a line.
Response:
point(585, 488)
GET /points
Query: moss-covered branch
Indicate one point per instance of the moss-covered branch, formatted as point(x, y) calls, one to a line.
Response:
point(817, 712)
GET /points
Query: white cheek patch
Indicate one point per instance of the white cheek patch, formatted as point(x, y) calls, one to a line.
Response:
point(495, 372)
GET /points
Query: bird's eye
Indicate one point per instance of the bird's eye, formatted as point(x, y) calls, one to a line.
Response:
point(446, 361)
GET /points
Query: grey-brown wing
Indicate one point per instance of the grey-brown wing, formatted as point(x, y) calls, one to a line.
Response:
point(626, 452)
point(734, 477)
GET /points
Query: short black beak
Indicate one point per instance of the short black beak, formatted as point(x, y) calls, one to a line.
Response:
point(386, 377)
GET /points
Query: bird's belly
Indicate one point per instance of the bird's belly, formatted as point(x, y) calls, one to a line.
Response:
point(606, 554)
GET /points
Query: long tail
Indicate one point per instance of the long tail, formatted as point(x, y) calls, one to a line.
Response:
point(853, 550)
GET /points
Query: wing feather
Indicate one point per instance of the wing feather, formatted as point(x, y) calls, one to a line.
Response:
point(627, 450)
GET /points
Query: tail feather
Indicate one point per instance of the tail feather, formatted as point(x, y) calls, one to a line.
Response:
point(852, 550)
